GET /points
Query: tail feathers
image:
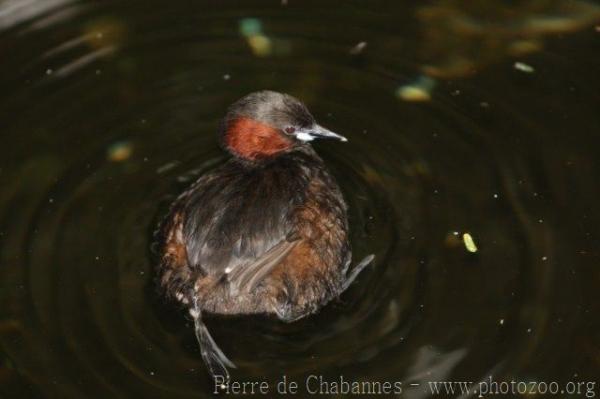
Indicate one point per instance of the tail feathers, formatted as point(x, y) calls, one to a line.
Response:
point(214, 358)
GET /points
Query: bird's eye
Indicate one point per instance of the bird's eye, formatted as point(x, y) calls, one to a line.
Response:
point(290, 129)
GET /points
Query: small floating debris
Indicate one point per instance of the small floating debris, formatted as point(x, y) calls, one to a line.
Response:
point(358, 48)
point(469, 243)
point(119, 151)
point(251, 29)
point(167, 167)
point(523, 67)
point(418, 91)
point(501, 322)
point(260, 45)
point(226, 76)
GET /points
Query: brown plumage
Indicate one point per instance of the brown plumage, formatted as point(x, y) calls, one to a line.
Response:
point(267, 232)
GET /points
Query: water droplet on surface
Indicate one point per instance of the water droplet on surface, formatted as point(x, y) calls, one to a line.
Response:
point(358, 48)
point(523, 67)
point(119, 151)
point(469, 243)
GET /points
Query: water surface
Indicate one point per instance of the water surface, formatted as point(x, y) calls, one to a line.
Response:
point(460, 118)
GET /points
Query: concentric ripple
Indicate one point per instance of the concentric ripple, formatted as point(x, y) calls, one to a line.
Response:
point(110, 111)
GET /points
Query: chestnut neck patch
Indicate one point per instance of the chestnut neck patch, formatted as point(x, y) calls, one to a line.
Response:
point(253, 140)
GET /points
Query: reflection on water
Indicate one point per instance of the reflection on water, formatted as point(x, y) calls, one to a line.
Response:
point(459, 38)
point(14, 12)
point(480, 204)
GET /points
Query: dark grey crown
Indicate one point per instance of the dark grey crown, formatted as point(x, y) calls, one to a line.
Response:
point(275, 109)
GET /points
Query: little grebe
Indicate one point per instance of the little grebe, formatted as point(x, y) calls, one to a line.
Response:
point(266, 232)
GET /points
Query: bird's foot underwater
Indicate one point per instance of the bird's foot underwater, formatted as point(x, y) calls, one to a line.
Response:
point(212, 355)
point(214, 358)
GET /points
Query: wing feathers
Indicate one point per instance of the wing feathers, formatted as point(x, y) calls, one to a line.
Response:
point(245, 277)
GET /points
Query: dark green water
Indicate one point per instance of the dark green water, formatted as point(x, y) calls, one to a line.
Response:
point(108, 110)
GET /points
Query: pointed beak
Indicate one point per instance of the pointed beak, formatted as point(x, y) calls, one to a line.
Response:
point(318, 132)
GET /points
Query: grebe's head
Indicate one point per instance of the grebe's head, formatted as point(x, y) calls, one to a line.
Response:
point(265, 123)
